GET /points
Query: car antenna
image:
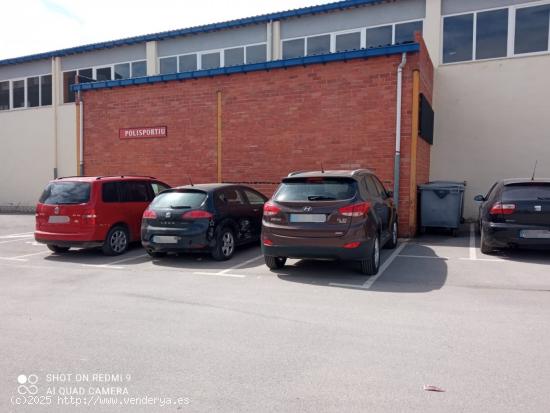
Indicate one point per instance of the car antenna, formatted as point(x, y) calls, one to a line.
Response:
point(190, 181)
point(322, 168)
point(534, 170)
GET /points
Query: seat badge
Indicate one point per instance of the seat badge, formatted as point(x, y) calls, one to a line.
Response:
point(56, 210)
point(538, 208)
point(168, 215)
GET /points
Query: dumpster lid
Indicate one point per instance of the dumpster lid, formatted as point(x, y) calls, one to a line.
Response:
point(444, 185)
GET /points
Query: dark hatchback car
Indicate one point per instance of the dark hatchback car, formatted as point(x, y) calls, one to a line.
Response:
point(515, 213)
point(345, 215)
point(198, 218)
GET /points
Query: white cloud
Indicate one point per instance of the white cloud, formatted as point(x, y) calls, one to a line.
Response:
point(36, 26)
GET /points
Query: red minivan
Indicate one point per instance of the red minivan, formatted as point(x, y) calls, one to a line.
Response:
point(87, 212)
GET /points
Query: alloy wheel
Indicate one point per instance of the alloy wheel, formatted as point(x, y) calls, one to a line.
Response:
point(228, 244)
point(118, 241)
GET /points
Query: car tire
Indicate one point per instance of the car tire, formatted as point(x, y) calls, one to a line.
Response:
point(485, 248)
point(155, 254)
point(392, 243)
point(274, 263)
point(117, 241)
point(371, 265)
point(57, 249)
point(225, 244)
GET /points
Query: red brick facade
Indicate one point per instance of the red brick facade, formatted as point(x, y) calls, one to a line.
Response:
point(340, 114)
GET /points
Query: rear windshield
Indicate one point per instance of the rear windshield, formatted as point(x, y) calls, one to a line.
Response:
point(526, 192)
point(179, 199)
point(316, 189)
point(57, 193)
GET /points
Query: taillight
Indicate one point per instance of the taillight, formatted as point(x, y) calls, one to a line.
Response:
point(355, 210)
point(351, 245)
point(197, 214)
point(89, 217)
point(271, 209)
point(502, 209)
point(149, 214)
point(267, 242)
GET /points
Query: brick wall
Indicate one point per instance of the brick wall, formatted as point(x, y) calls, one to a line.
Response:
point(340, 114)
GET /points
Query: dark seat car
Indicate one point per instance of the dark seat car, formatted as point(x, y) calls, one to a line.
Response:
point(207, 217)
point(98, 211)
point(515, 213)
point(345, 215)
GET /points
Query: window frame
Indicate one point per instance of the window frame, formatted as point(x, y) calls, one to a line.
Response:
point(510, 44)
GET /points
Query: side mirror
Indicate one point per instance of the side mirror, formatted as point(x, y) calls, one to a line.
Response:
point(479, 198)
point(389, 194)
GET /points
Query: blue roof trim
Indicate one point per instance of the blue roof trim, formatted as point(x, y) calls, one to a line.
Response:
point(324, 8)
point(254, 67)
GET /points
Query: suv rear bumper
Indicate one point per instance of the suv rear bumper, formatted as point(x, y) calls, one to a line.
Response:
point(311, 248)
point(504, 235)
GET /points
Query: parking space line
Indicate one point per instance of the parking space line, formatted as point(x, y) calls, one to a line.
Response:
point(22, 234)
point(423, 256)
point(473, 250)
point(368, 284)
point(15, 240)
point(113, 264)
point(128, 259)
point(30, 255)
point(13, 259)
point(220, 274)
point(242, 264)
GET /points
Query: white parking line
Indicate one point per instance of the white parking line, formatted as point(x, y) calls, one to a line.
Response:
point(30, 255)
point(423, 256)
point(12, 259)
point(15, 240)
point(242, 264)
point(21, 234)
point(473, 250)
point(220, 274)
point(112, 264)
point(368, 284)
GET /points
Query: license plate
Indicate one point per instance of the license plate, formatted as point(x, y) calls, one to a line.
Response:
point(58, 219)
point(308, 218)
point(535, 233)
point(165, 239)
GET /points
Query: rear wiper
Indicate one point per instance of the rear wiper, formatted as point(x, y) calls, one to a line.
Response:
point(180, 207)
point(544, 198)
point(320, 198)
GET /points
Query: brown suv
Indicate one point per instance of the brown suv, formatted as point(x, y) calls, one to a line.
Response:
point(345, 215)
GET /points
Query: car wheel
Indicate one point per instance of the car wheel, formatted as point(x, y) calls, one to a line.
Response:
point(155, 254)
point(117, 241)
point(225, 245)
point(274, 263)
point(370, 265)
point(485, 248)
point(57, 249)
point(392, 243)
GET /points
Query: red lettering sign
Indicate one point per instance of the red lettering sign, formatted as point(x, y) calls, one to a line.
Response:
point(148, 132)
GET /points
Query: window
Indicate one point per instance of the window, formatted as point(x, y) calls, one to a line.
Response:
point(122, 71)
point(371, 186)
point(103, 73)
point(46, 90)
point(18, 93)
point(229, 196)
point(379, 36)
point(168, 65)
point(210, 61)
point(256, 54)
point(85, 76)
point(33, 92)
point(293, 48)
point(380, 188)
point(109, 192)
point(458, 36)
point(532, 29)
point(348, 41)
point(139, 69)
point(134, 192)
point(491, 34)
point(57, 193)
point(68, 81)
point(234, 57)
point(316, 189)
point(158, 188)
point(186, 199)
point(254, 198)
point(318, 45)
point(404, 32)
point(188, 63)
point(4, 95)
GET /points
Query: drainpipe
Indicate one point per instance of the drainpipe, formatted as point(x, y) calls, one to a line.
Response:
point(397, 160)
point(81, 146)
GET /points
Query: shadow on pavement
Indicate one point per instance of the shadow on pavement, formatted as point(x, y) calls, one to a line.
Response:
point(404, 275)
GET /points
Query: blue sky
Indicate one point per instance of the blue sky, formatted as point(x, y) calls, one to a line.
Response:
point(36, 26)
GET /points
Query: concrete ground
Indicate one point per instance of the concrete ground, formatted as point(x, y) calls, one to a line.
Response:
point(234, 336)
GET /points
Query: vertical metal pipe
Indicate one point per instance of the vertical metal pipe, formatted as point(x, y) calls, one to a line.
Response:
point(397, 160)
point(219, 128)
point(81, 166)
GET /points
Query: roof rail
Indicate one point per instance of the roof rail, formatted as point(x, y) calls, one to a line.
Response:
point(295, 173)
point(65, 177)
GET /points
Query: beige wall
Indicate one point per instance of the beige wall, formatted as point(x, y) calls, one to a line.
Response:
point(491, 122)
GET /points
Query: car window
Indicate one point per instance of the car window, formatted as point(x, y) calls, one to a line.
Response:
point(254, 198)
point(229, 196)
point(491, 190)
point(134, 191)
point(371, 187)
point(526, 192)
point(380, 187)
point(158, 187)
point(57, 193)
point(179, 199)
point(109, 192)
point(316, 189)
